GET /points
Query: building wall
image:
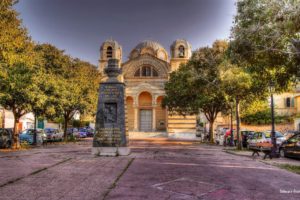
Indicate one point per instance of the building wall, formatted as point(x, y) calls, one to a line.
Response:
point(130, 113)
point(280, 102)
point(27, 121)
point(278, 127)
point(176, 62)
point(160, 115)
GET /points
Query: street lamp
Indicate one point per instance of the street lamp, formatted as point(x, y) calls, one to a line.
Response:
point(231, 123)
point(274, 148)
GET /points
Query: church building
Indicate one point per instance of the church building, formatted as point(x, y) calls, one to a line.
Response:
point(145, 74)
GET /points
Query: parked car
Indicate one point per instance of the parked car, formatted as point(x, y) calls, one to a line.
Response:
point(263, 137)
point(291, 147)
point(290, 134)
point(90, 132)
point(27, 136)
point(246, 135)
point(82, 132)
point(74, 132)
point(279, 137)
point(54, 134)
point(5, 138)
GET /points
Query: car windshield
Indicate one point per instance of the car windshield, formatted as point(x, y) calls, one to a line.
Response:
point(49, 130)
point(277, 134)
point(268, 135)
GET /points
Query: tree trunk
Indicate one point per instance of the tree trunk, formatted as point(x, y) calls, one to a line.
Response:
point(35, 131)
point(65, 126)
point(211, 131)
point(239, 144)
point(15, 136)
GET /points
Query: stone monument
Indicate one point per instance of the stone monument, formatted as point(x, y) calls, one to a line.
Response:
point(110, 130)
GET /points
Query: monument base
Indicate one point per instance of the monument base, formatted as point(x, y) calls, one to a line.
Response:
point(110, 151)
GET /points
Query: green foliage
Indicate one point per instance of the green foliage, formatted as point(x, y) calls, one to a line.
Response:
point(266, 40)
point(14, 40)
point(237, 83)
point(76, 123)
point(259, 112)
point(72, 85)
point(291, 168)
point(17, 64)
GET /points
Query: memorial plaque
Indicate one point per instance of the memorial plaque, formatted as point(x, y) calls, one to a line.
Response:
point(110, 134)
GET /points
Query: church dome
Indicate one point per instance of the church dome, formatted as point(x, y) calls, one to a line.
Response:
point(149, 47)
point(149, 44)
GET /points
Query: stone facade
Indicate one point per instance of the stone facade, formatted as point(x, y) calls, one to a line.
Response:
point(145, 74)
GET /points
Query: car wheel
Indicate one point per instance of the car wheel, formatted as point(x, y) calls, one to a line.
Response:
point(8, 144)
point(281, 152)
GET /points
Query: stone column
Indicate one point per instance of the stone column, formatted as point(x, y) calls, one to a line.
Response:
point(135, 124)
point(110, 128)
point(154, 118)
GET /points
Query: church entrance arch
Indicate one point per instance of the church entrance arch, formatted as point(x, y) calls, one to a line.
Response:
point(145, 111)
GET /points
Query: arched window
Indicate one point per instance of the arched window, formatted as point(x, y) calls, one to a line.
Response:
point(109, 52)
point(146, 71)
point(181, 51)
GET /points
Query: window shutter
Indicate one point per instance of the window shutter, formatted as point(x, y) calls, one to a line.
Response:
point(293, 102)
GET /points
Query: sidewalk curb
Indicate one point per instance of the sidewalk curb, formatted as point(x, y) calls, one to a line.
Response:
point(233, 153)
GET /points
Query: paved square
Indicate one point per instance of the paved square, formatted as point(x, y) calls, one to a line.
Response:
point(156, 169)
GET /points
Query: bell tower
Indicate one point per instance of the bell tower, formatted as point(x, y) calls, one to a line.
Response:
point(181, 51)
point(110, 49)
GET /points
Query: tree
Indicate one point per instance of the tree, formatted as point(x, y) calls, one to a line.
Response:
point(14, 38)
point(238, 85)
point(16, 86)
point(17, 65)
point(196, 86)
point(266, 40)
point(73, 86)
point(78, 91)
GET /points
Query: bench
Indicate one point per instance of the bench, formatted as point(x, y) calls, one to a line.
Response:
point(264, 147)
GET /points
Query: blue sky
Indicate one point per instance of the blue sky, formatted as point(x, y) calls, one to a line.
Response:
point(80, 26)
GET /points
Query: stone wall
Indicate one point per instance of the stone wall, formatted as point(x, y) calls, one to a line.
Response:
point(278, 127)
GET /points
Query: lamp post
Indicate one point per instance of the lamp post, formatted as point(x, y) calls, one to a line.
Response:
point(274, 148)
point(231, 123)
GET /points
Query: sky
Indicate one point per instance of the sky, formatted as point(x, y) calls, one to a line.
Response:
point(80, 26)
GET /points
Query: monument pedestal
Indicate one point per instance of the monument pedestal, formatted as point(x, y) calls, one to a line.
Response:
point(110, 130)
point(111, 151)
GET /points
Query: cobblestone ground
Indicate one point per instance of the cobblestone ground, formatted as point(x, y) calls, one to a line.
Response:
point(156, 169)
